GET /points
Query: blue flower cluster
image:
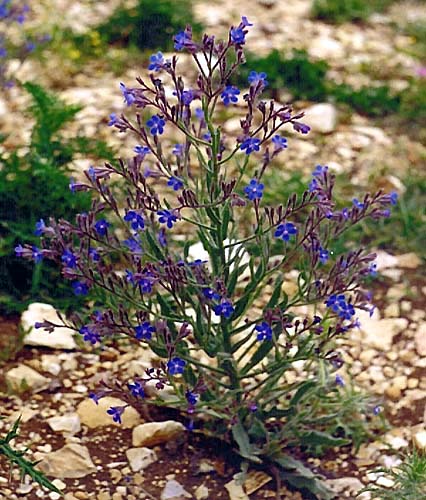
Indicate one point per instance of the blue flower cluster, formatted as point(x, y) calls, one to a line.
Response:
point(338, 304)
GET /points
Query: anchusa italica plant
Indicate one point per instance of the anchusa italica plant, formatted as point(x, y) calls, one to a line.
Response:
point(224, 330)
point(14, 13)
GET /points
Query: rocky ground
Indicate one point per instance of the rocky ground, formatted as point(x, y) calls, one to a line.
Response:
point(90, 458)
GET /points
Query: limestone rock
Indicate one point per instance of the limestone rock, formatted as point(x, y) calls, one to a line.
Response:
point(420, 339)
point(174, 491)
point(202, 492)
point(23, 377)
point(140, 458)
point(409, 260)
point(95, 415)
point(66, 423)
point(325, 47)
point(379, 333)
point(153, 433)
point(321, 117)
point(419, 440)
point(60, 338)
point(72, 461)
point(236, 491)
point(350, 485)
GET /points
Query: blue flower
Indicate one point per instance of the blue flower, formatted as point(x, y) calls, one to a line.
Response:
point(89, 335)
point(135, 219)
point(393, 198)
point(166, 217)
point(377, 410)
point(230, 94)
point(323, 255)
point(146, 284)
point(372, 269)
point(144, 331)
point(187, 97)
point(210, 294)
point(191, 397)
point(181, 39)
point(94, 255)
point(141, 150)
point(95, 397)
point(37, 254)
point(175, 183)
point(339, 305)
point(177, 150)
point(112, 120)
point(254, 190)
point(285, 231)
point(19, 250)
point(39, 227)
point(357, 203)
point(250, 144)
point(225, 309)
point(3, 52)
point(320, 170)
point(162, 237)
point(80, 288)
point(136, 390)
point(129, 98)
point(339, 381)
point(176, 366)
point(72, 185)
point(101, 227)
point(116, 412)
point(156, 124)
point(254, 78)
point(301, 127)
point(133, 244)
point(30, 46)
point(279, 142)
point(156, 62)
point(69, 259)
point(238, 36)
point(264, 331)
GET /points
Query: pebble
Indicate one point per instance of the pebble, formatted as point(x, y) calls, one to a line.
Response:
point(153, 433)
point(321, 117)
point(140, 458)
point(70, 461)
point(23, 377)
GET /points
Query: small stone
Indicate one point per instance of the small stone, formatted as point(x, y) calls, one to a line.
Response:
point(392, 310)
point(67, 423)
point(59, 484)
point(71, 461)
point(140, 458)
point(23, 377)
point(420, 339)
point(379, 333)
point(153, 433)
point(174, 491)
point(384, 481)
point(95, 415)
point(409, 260)
point(60, 338)
point(236, 491)
point(350, 485)
point(321, 117)
point(202, 492)
point(419, 440)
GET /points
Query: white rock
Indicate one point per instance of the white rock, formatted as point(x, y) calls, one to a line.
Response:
point(345, 485)
point(174, 491)
point(153, 433)
point(66, 423)
point(321, 117)
point(385, 260)
point(325, 47)
point(71, 461)
point(375, 133)
point(140, 458)
point(202, 492)
point(379, 333)
point(50, 363)
point(420, 339)
point(236, 491)
point(60, 338)
point(419, 440)
point(386, 482)
point(23, 377)
point(409, 260)
point(95, 415)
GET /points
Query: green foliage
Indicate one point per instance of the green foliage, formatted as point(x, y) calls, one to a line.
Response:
point(16, 457)
point(370, 101)
point(307, 79)
point(34, 185)
point(151, 24)
point(413, 102)
point(303, 77)
point(409, 480)
point(340, 11)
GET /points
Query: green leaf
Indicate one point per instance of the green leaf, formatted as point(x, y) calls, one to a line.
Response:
point(226, 217)
point(245, 448)
point(303, 389)
point(317, 438)
point(275, 297)
point(261, 352)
